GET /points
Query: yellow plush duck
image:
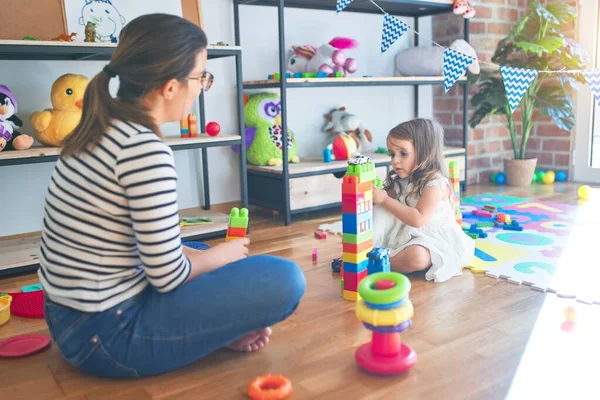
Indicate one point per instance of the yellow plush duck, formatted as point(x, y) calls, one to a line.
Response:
point(51, 126)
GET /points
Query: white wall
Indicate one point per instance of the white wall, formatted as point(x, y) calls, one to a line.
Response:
point(22, 188)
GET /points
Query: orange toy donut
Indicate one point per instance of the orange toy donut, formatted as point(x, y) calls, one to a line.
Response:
point(270, 387)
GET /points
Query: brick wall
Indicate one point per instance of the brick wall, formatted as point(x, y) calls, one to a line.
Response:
point(490, 143)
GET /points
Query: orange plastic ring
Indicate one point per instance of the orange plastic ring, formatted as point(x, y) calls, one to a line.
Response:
point(270, 387)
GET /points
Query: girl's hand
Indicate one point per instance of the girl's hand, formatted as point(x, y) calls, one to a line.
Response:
point(379, 195)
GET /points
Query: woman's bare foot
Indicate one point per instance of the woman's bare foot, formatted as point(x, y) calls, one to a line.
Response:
point(251, 341)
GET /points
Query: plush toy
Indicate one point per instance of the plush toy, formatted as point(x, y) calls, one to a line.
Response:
point(53, 125)
point(328, 58)
point(349, 135)
point(464, 8)
point(264, 136)
point(10, 138)
point(429, 61)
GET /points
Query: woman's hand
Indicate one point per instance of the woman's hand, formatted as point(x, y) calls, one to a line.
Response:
point(379, 195)
point(204, 261)
point(231, 251)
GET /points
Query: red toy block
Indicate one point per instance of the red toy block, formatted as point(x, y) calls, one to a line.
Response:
point(320, 235)
point(482, 213)
point(352, 279)
point(355, 203)
point(236, 232)
point(500, 217)
point(358, 248)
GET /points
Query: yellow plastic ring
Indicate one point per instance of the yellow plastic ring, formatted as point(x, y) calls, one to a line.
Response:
point(391, 317)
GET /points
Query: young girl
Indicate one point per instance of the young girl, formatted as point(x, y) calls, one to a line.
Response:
point(414, 216)
point(124, 297)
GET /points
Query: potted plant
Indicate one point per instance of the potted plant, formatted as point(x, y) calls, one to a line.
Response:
point(537, 42)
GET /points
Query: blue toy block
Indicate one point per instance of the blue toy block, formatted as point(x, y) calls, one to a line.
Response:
point(379, 260)
point(356, 268)
point(298, 75)
point(512, 227)
point(351, 223)
point(327, 156)
point(322, 74)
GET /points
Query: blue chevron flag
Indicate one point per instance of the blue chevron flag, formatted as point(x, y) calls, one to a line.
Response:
point(341, 4)
point(393, 28)
point(455, 65)
point(516, 82)
point(592, 77)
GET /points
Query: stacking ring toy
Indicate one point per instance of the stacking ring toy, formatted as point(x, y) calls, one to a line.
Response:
point(270, 387)
point(385, 309)
point(387, 294)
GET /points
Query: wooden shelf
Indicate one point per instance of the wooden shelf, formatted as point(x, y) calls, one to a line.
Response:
point(54, 50)
point(39, 154)
point(409, 8)
point(23, 250)
point(351, 81)
point(314, 166)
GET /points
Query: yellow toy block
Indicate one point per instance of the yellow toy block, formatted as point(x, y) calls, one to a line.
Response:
point(355, 258)
point(351, 296)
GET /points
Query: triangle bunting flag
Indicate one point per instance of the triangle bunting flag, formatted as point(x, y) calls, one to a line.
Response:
point(455, 65)
point(516, 82)
point(341, 4)
point(393, 28)
point(592, 77)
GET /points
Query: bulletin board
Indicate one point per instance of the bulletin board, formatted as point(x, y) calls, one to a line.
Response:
point(47, 19)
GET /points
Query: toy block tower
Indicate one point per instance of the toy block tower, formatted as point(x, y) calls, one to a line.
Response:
point(455, 181)
point(357, 216)
point(238, 224)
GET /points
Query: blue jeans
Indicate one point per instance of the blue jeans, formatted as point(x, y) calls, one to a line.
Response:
point(152, 333)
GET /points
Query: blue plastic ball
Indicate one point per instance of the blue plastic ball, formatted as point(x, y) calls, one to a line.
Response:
point(561, 176)
point(500, 178)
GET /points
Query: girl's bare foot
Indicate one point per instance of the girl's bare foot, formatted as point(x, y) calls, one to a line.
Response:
point(251, 341)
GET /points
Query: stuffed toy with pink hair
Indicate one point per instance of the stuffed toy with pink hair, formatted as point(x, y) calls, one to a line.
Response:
point(329, 57)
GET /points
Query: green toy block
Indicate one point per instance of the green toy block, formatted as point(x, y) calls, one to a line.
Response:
point(453, 164)
point(357, 239)
point(378, 183)
point(31, 288)
point(473, 235)
point(365, 172)
point(485, 224)
point(381, 150)
point(276, 76)
point(238, 218)
point(338, 74)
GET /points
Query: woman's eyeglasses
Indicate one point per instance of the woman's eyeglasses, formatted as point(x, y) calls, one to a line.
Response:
point(206, 80)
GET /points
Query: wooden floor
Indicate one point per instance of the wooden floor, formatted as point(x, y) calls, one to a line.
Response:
point(476, 338)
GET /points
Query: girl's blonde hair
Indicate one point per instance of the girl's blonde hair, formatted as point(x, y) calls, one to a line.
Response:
point(427, 136)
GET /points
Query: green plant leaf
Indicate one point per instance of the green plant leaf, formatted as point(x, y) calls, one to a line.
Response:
point(543, 13)
point(553, 101)
point(562, 12)
point(546, 45)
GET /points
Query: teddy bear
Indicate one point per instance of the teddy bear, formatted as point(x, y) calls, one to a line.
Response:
point(10, 138)
point(328, 58)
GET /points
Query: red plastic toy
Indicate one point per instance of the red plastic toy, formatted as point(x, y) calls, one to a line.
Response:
point(213, 129)
point(385, 309)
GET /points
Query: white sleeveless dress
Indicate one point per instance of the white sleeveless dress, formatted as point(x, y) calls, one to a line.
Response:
point(451, 249)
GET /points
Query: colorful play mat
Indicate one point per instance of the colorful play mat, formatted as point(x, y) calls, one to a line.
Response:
point(556, 251)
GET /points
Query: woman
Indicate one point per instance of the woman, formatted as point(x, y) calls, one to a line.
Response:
point(124, 297)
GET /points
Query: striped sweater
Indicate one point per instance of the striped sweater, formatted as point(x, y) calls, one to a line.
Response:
point(111, 223)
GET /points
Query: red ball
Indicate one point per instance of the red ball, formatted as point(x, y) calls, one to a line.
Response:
point(213, 129)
